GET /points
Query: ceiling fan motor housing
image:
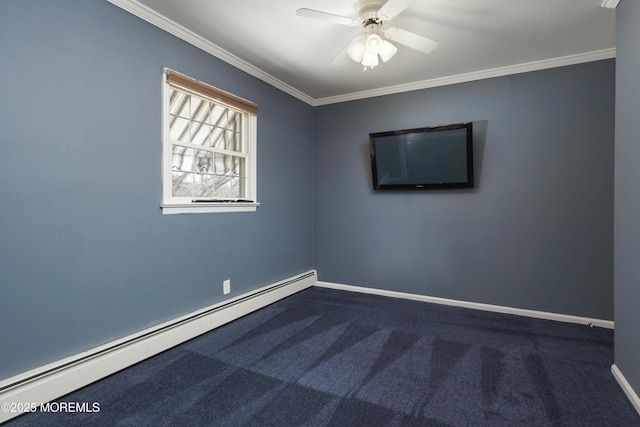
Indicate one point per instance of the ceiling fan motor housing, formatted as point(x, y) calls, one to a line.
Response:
point(368, 11)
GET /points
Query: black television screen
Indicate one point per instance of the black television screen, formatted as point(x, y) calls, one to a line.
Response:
point(438, 157)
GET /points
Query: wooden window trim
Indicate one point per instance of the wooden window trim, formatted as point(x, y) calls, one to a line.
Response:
point(177, 79)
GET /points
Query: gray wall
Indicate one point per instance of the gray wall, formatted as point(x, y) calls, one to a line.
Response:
point(536, 233)
point(85, 253)
point(627, 201)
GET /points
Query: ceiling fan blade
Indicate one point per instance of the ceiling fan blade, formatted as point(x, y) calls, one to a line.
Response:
point(392, 8)
point(324, 16)
point(411, 40)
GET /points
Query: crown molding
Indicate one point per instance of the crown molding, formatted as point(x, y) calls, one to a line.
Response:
point(611, 4)
point(160, 21)
point(473, 76)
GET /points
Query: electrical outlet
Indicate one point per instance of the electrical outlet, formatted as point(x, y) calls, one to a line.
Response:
point(226, 286)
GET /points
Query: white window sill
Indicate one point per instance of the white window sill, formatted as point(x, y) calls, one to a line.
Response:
point(209, 208)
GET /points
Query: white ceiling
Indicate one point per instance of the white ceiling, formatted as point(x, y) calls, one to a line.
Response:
point(478, 39)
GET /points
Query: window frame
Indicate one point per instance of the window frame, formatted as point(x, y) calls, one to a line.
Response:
point(249, 110)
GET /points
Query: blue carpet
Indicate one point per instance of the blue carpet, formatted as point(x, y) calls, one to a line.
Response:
point(331, 358)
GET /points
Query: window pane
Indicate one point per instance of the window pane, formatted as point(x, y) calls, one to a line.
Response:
point(199, 109)
point(229, 187)
point(188, 160)
point(181, 184)
point(204, 185)
point(227, 165)
point(179, 129)
point(187, 169)
point(235, 121)
point(191, 184)
point(218, 115)
point(200, 133)
point(180, 161)
point(235, 141)
point(217, 138)
point(179, 103)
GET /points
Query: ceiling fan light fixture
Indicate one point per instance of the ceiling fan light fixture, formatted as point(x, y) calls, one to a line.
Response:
point(374, 43)
point(370, 60)
point(357, 49)
point(387, 50)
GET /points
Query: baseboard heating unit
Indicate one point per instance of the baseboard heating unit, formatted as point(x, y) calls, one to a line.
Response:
point(57, 379)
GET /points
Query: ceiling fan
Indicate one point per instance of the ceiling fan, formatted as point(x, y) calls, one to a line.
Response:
point(372, 14)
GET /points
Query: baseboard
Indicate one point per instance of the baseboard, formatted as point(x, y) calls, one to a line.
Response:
point(609, 324)
point(57, 379)
point(626, 387)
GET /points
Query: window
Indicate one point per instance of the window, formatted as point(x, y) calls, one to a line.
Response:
point(209, 148)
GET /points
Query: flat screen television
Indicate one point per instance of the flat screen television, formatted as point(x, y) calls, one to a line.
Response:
point(428, 158)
